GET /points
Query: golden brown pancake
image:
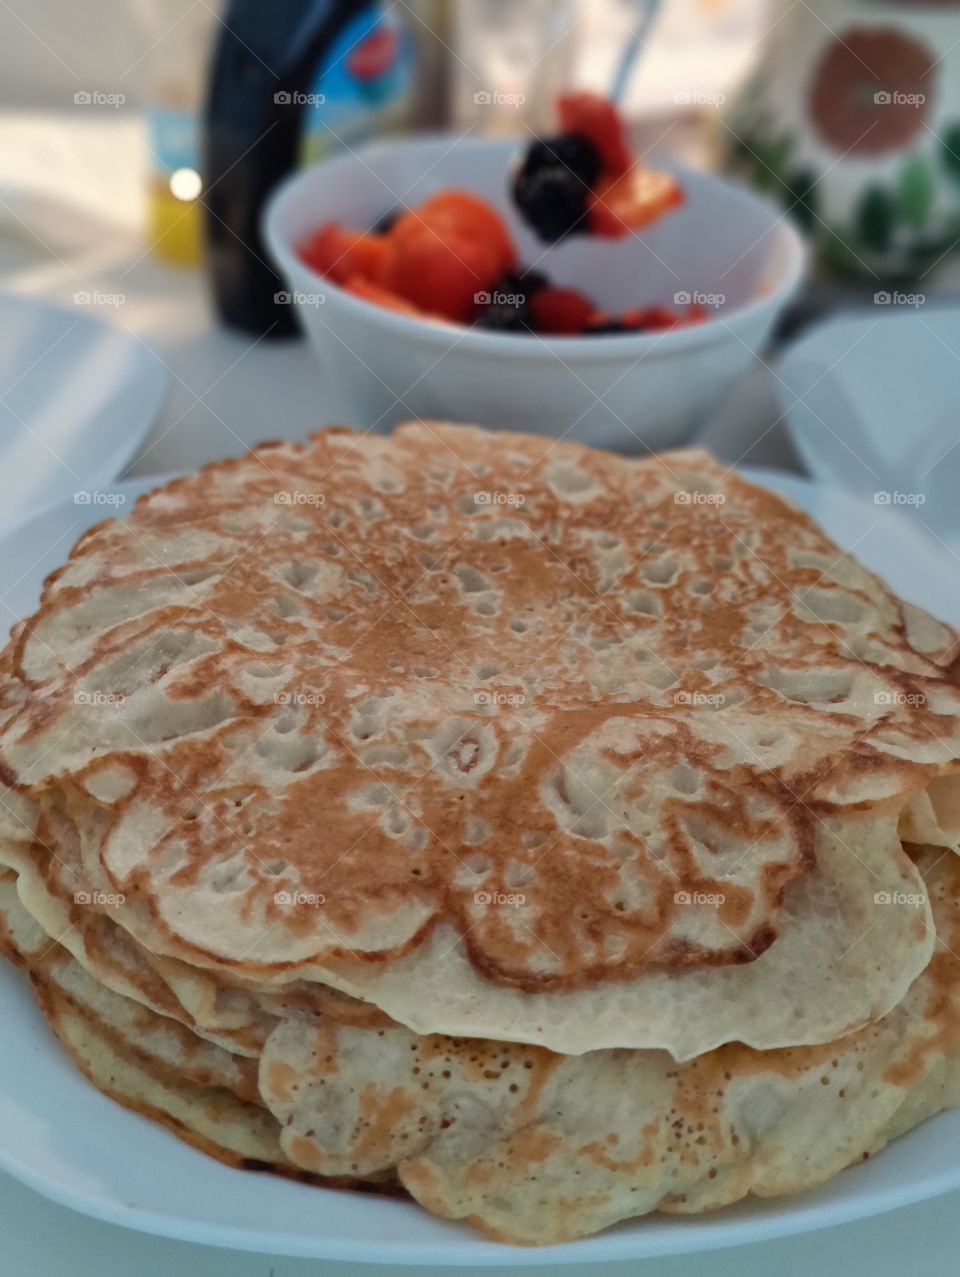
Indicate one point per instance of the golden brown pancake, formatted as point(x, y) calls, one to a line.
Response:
point(517, 820)
point(335, 708)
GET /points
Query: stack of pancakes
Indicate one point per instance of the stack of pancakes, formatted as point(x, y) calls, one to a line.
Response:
point(553, 837)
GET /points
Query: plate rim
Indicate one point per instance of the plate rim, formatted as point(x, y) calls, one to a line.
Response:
point(148, 374)
point(856, 319)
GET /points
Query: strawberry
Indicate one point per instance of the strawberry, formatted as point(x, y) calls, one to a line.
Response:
point(440, 273)
point(596, 119)
point(378, 296)
point(650, 318)
point(340, 253)
point(467, 214)
point(630, 202)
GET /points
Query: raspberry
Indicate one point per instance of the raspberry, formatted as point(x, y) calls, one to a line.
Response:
point(560, 311)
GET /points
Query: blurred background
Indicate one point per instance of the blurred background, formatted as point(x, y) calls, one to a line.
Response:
point(102, 127)
point(132, 173)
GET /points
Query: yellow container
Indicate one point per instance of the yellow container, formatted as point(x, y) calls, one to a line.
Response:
point(175, 230)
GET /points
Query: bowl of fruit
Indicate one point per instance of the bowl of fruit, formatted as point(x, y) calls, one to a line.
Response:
point(561, 286)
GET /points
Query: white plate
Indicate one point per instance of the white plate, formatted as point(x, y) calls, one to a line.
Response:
point(870, 403)
point(63, 1138)
point(77, 398)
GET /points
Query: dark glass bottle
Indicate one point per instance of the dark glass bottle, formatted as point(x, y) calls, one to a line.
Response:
point(268, 64)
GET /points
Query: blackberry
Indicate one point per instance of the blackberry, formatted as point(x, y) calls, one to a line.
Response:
point(508, 308)
point(552, 186)
point(385, 223)
point(608, 327)
point(575, 152)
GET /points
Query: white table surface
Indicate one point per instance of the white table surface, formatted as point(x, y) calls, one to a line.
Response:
point(228, 391)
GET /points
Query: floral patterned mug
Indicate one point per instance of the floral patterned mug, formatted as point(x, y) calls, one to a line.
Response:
point(852, 120)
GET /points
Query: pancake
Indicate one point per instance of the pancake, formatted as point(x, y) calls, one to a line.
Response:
point(52, 890)
point(52, 897)
point(830, 917)
point(243, 1136)
point(556, 837)
point(156, 1040)
point(149, 1063)
point(533, 1147)
point(537, 1148)
point(214, 1121)
point(508, 737)
point(855, 935)
point(530, 1146)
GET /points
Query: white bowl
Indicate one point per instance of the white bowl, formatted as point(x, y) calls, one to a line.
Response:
point(628, 392)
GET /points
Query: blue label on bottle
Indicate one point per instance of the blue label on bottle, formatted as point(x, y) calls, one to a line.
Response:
point(364, 86)
point(174, 138)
